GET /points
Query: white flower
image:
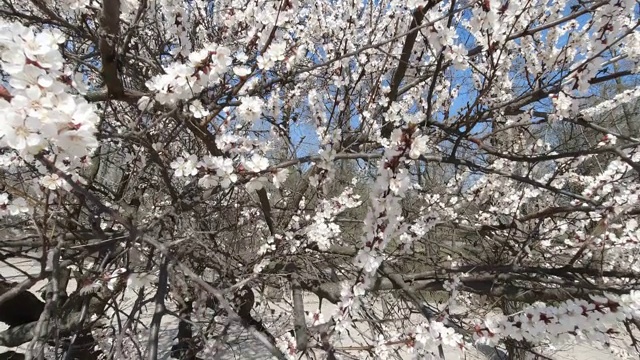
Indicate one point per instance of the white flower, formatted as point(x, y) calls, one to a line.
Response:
point(242, 70)
point(565, 105)
point(185, 167)
point(209, 162)
point(256, 184)
point(419, 146)
point(208, 181)
point(287, 345)
point(280, 177)
point(84, 113)
point(265, 62)
point(79, 84)
point(198, 57)
point(423, 336)
point(260, 266)
point(18, 206)
point(315, 318)
point(226, 166)
point(30, 76)
point(20, 133)
point(251, 108)
point(450, 338)
point(401, 183)
point(52, 182)
point(42, 47)
point(256, 164)
point(277, 51)
point(224, 172)
point(76, 142)
point(13, 61)
point(227, 179)
point(36, 45)
point(221, 59)
point(140, 280)
point(4, 199)
point(144, 102)
point(198, 110)
point(368, 260)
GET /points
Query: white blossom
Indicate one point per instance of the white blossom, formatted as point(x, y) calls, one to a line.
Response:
point(185, 166)
point(250, 109)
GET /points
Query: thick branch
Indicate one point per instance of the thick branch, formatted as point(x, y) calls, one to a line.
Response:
point(37, 345)
point(407, 50)
point(481, 285)
point(131, 96)
point(300, 325)
point(109, 29)
point(69, 323)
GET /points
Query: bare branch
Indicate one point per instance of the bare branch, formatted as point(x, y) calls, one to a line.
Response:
point(160, 309)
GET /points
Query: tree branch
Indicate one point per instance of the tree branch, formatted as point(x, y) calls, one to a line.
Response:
point(300, 325)
point(154, 332)
point(109, 29)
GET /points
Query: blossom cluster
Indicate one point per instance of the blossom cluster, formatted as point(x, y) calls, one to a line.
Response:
point(44, 113)
point(216, 170)
point(183, 81)
point(570, 321)
point(384, 220)
point(39, 109)
point(13, 207)
point(323, 230)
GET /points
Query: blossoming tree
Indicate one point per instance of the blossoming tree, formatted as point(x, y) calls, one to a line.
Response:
point(377, 155)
